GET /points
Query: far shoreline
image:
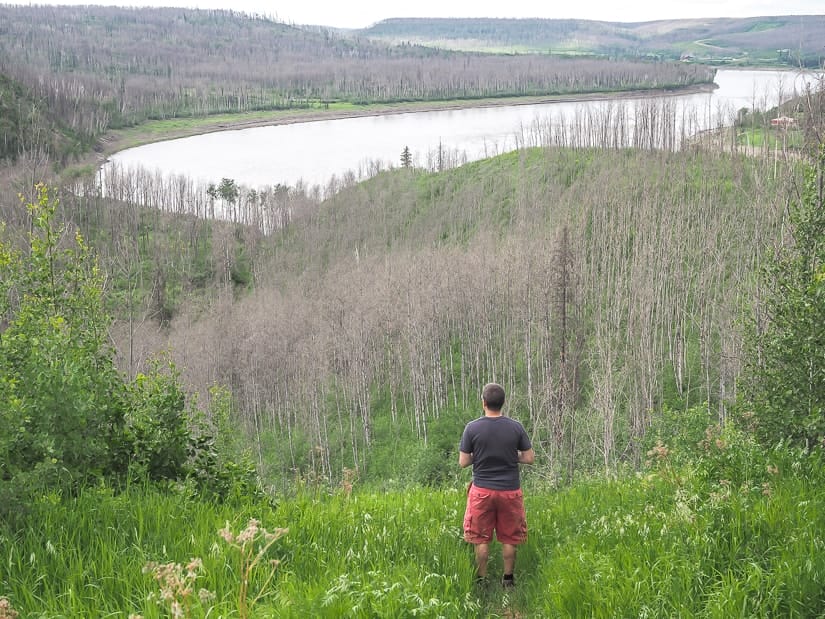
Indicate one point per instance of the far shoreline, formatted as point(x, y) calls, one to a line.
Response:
point(160, 131)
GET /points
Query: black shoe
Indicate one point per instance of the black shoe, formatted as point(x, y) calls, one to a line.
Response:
point(482, 583)
point(508, 582)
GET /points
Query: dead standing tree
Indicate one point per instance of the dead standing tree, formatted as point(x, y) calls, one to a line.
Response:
point(564, 350)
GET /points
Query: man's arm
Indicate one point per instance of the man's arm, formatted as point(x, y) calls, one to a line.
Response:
point(464, 459)
point(526, 457)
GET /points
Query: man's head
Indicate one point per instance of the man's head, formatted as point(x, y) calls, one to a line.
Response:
point(493, 396)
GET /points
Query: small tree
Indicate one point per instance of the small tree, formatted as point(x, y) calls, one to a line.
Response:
point(406, 157)
point(62, 401)
point(229, 192)
point(212, 193)
point(784, 381)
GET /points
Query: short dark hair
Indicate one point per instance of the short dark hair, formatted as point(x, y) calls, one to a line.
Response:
point(493, 396)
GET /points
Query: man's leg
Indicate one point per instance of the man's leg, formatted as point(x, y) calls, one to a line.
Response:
point(482, 555)
point(479, 521)
point(508, 553)
point(511, 530)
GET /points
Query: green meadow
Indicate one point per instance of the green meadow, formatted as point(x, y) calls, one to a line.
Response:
point(738, 533)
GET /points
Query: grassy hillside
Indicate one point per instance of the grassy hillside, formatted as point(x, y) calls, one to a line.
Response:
point(373, 317)
point(735, 535)
point(785, 39)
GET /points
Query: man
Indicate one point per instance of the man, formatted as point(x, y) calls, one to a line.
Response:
point(495, 445)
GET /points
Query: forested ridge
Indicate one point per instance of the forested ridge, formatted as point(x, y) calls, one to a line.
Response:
point(370, 316)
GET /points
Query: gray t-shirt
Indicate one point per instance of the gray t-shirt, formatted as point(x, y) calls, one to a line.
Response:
point(495, 443)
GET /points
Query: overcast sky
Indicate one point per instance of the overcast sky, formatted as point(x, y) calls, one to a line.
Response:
point(362, 13)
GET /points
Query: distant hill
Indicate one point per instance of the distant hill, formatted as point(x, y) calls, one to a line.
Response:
point(796, 39)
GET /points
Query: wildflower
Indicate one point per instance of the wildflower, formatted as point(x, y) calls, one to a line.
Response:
point(659, 451)
point(348, 481)
point(227, 534)
point(773, 470)
point(249, 558)
point(6, 611)
point(205, 595)
point(711, 433)
point(249, 533)
point(193, 567)
point(176, 585)
point(766, 489)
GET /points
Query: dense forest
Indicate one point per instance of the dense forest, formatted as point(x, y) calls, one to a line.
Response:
point(270, 383)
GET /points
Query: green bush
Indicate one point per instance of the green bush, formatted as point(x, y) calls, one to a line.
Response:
point(68, 417)
point(157, 425)
point(219, 463)
point(784, 380)
point(681, 431)
point(437, 462)
point(62, 401)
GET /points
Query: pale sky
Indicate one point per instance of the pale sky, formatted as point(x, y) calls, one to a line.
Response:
point(362, 13)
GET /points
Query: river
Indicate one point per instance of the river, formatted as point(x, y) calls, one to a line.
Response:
point(313, 153)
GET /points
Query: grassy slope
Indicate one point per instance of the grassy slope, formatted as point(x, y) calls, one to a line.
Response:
point(719, 539)
point(709, 539)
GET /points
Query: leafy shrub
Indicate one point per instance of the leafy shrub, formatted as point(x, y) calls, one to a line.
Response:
point(784, 380)
point(157, 425)
point(62, 401)
point(681, 431)
point(218, 462)
point(67, 416)
point(732, 457)
point(437, 461)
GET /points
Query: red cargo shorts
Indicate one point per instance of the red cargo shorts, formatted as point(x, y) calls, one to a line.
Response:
point(499, 510)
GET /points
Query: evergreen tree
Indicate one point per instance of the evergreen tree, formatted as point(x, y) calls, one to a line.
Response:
point(406, 157)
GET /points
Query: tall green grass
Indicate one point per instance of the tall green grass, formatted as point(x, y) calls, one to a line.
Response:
point(676, 542)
